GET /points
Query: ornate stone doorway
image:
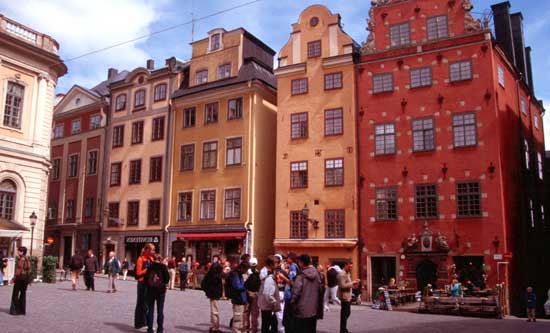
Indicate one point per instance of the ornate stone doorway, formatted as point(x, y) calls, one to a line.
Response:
point(426, 273)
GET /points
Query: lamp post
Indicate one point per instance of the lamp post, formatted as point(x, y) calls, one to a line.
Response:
point(33, 219)
point(305, 212)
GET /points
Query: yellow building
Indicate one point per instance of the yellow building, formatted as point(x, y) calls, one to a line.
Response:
point(137, 164)
point(223, 170)
point(316, 201)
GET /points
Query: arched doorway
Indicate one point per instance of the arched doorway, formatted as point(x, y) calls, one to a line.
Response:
point(426, 273)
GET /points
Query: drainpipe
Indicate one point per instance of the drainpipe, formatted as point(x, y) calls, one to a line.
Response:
point(360, 243)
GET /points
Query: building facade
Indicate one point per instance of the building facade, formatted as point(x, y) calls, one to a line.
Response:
point(223, 155)
point(136, 182)
point(316, 201)
point(29, 69)
point(449, 136)
point(75, 183)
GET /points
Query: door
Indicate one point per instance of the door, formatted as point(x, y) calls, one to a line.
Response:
point(426, 273)
point(383, 269)
point(67, 250)
point(202, 253)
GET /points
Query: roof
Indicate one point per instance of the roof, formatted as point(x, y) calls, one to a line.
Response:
point(250, 70)
point(102, 89)
point(248, 35)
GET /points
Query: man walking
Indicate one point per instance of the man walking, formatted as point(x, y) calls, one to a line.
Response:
point(142, 265)
point(183, 268)
point(21, 279)
point(345, 284)
point(112, 268)
point(91, 266)
point(212, 287)
point(238, 295)
point(252, 285)
point(531, 305)
point(172, 271)
point(76, 264)
point(305, 297)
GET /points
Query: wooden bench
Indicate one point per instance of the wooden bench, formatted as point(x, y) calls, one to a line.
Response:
point(466, 306)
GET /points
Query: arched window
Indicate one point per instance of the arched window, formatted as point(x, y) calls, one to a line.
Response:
point(8, 191)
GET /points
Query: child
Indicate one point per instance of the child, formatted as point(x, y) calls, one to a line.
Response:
point(157, 278)
point(531, 305)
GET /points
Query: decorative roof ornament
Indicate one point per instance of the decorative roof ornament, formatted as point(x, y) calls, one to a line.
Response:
point(470, 23)
point(369, 46)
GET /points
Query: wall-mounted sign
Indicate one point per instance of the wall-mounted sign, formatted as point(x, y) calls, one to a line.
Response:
point(142, 239)
point(498, 257)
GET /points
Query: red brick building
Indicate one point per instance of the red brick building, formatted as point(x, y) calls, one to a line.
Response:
point(450, 134)
point(77, 155)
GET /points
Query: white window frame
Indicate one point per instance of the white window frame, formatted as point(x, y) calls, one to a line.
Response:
point(76, 121)
point(500, 73)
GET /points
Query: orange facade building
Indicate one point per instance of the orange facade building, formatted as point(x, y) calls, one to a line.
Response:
point(316, 201)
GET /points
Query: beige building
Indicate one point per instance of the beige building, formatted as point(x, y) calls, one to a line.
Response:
point(316, 202)
point(136, 177)
point(29, 69)
point(223, 165)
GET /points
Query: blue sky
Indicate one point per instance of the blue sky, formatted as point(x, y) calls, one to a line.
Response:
point(82, 26)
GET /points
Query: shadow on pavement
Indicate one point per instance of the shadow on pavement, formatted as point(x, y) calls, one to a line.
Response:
point(191, 329)
point(122, 327)
point(7, 311)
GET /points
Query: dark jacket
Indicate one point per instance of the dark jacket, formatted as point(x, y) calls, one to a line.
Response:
point(162, 272)
point(332, 277)
point(237, 283)
point(91, 264)
point(306, 293)
point(531, 300)
point(77, 262)
point(212, 282)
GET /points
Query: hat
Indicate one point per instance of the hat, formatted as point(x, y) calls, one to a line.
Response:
point(253, 262)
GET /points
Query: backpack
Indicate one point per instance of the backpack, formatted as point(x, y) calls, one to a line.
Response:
point(332, 278)
point(253, 282)
point(230, 292)
point(154, 280)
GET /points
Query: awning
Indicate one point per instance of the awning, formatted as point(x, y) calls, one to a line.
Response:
point(212, 236)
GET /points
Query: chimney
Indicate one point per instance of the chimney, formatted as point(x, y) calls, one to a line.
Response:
point(519, 46)
point(529, 69)
point(150, 64)
point(170, 62)
point(503, 29)
point(111, 73)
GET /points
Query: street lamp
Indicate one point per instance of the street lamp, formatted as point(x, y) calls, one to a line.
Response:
point(305, 212)
point(33, 219)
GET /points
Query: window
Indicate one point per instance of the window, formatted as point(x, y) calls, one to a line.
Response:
point(335, 223)
point(539, 162)
point(298, 126)
point(211, 113)
point(133, 213)
point(500, 73)
point(299, 86)
point(71, 205)
point(224, 71)
point(89, 207)
point(423, 134)
point(139, 98)
point(334, 172)
point(153, 212)
point(400, 35)
point(468, 198)
point(527, 156)
point(437, 27)
point(298, 175)
point(215, 42)
point(334, 124)
point(120, 103)
point(426, 201)
point(8, 190)
point(13, 109)
point(155, 169)
point(116, 169)
point(185, 206)
point(52, 210)
point(137, 132)
point(210, 155)
point(386, 204)
point(421, 77)
point(56, 168)
point(532, 213)
point(73, 165)
point(118, 136)
point(298, 225)
point(187, 159)
point(235, 109)
point(382, 83)
point(460, 71)
point(135, 172)
point(523, 105)
point(208, 205)
point(202, 77)
point(333, 81)
point(384, 139)
point(464, 130)
point(95, 121)
point(92, 162)
point(160, 92)
point(314, 49)
point(58, 131)
point(536, 120)
point(158, 129)
point(232, 208)
point(189, 116)
point(114, 213)
point(75, 126)
point(233, 151)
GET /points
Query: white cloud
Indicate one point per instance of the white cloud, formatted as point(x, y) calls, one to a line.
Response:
point(81, 26)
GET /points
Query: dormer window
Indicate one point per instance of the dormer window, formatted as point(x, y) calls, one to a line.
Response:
point(202, 76)
point(215, 42)
point(224, 71)
point(400, 35)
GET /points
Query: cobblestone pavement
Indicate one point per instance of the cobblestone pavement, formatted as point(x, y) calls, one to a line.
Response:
point(56, 308)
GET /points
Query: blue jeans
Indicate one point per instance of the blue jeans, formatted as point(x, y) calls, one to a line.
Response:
point(159, 299)
point(1, 276)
